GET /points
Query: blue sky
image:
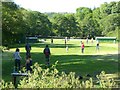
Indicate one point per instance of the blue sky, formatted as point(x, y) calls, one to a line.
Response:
point(59, 5)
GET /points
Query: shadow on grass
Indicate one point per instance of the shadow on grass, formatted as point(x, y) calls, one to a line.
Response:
point(84, 64)
point(80, 64)
point(42, 45)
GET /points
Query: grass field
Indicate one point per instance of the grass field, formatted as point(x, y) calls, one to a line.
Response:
point(91, 62)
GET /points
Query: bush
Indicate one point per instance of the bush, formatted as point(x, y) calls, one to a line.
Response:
point(104, 81)
point(49, 78)
point(5, 85)
point(52, 78)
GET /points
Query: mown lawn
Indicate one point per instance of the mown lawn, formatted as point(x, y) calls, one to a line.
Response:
point(91, 62)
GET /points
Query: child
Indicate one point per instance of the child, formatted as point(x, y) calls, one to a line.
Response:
point(29, 63)
point(82, 47)
point(66, 48)
point(97, 46)
point(17, 58)
point(87, 40)
point(91, 40)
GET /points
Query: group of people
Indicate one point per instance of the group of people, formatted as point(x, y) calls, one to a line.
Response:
point(83, 46)
point(18, 58)
point(28, 63)
point(88, 40)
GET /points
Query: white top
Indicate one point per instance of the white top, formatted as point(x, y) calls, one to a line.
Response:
point(17, 55)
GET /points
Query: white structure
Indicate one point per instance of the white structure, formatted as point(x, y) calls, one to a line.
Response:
point(106, 39)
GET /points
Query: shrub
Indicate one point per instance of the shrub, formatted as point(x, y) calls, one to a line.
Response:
point(49, 78)
point(104, 81)
point(52, 78)
point(5, 85)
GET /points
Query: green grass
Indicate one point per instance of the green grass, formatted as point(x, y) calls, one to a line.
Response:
point(91, 62)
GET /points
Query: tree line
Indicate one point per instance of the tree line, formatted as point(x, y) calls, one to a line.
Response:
point(17, 22)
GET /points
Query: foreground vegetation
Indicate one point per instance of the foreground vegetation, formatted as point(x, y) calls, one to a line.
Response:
point(52, 78)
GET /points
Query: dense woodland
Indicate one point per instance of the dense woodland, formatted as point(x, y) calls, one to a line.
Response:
point(17, 22)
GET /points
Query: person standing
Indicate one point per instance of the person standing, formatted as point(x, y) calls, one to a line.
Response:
point(91, 40)
point(28, 49)
point(47, 53)
point(66, 48)
point(17, 58)
point(97, 46)
point(87, 40)
point(51, 40)
point(65, 42)
point(82, 47)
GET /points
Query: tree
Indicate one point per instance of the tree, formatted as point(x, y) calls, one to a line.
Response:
point(18, 22)
point(73, 29)
point(110, 23)
point(81, 15)
point(58, 23)
point(65, 24)
point(11, 22)
point(37, 23)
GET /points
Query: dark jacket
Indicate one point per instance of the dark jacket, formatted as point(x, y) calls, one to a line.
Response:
point(46, 52)
point(27, 47)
